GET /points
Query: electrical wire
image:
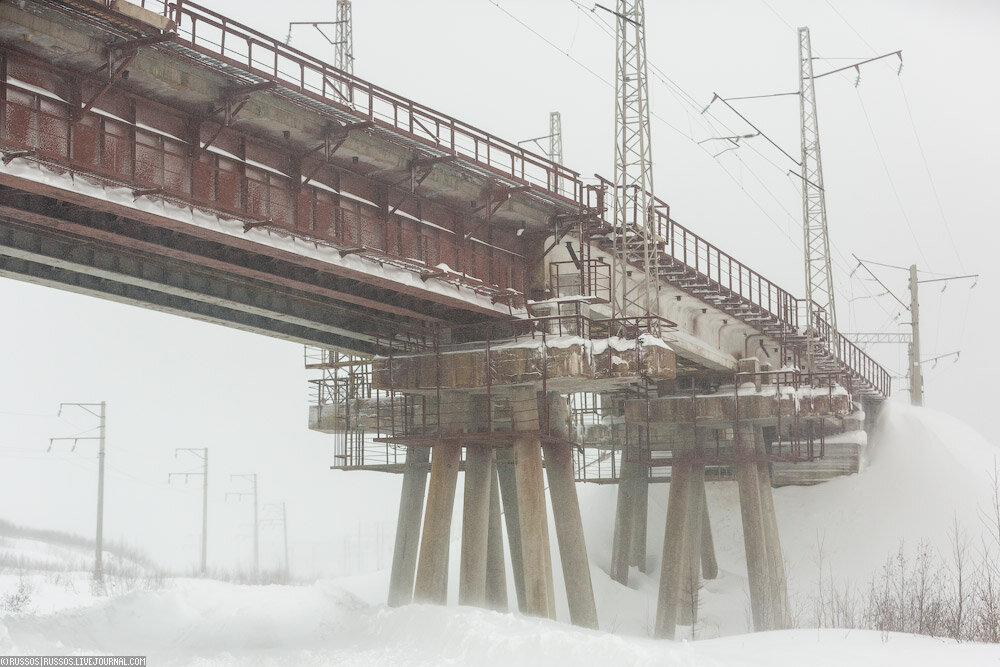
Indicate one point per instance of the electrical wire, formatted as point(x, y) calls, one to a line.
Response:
point(892, 182)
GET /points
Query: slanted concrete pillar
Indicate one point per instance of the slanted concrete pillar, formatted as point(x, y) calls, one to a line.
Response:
point(691, 574)
point(672, 565)
point(625, 516)
point(475, 525)
point(432, 566)
point(512, 518)
point(640, 508)
point(531, 505)
point(709, 566)
point(775, 560)
point(411, 506)
point(753, 529)
point(569, 524)
point(496, 575)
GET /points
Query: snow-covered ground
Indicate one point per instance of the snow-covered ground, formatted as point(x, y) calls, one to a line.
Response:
point(926, 472)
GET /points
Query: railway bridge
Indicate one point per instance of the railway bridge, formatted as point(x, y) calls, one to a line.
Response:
point(456, 294)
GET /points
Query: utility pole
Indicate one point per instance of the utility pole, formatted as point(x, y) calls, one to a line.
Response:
point(342, 42)
point(252, 478)
point(344, 55)
point(101, 414)
point(284, 525)
point(202, 454)
point(914, 363)
point(635, 219)
point(554, 149)
point(816, 236)
point(916, 375)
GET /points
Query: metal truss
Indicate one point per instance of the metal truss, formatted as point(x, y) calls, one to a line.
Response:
point(816, 237)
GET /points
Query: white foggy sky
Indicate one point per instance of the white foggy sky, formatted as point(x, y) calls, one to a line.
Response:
point(172, 382)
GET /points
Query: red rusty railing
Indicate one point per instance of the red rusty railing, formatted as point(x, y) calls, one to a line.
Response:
point(255, 53)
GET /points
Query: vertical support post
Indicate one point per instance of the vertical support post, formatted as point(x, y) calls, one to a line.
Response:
point(916, 374)
point(621, 541)
point(256, 528)
point(531, 504)
point(776, 565)
point(204, 514)
point(693, 526)
point(709, 566)
point(284, 532)
point(753, 527)
point(431, 583)
point(475, 525)
point(640, 507)
point(512, 517)
point(432, 566)
point(99, 543)
point(411, 506)
point(568, 522)
point(496, 575)
point(672, 565)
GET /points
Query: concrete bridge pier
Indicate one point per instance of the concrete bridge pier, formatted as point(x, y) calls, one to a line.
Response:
point(709, 565)
point(693, 541)
point(775, 561)
point(672, 566)
point(626, 516)
point(508, 493)
point(752, 515)
point(432, 567)
point(411, 506)
point(496, 574)
point(568, 522)
point(476, 525)
point(537, 562)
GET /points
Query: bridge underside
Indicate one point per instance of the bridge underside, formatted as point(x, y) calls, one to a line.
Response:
point(49, 240)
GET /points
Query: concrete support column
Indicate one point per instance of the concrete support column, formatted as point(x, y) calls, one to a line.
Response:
point(568, 522)
point(432, 567)
point(709, 566)
point(496, 575)
point(640, 507)
point(775, 560)
point(672, 565)
point(512, 518)
point(753, 529)
point(625, 516)
point(691, 574)
point(531, 505)
point(411, 506)
point(475, 525)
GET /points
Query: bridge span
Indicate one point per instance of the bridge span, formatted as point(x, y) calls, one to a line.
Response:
point(457, 292)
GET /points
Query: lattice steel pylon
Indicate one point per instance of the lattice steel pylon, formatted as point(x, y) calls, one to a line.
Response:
point(816, 236)
point(344, 56)
point(555, 143)
point(634, 234)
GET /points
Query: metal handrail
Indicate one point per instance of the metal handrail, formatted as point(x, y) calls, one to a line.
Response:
point(259, 55)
